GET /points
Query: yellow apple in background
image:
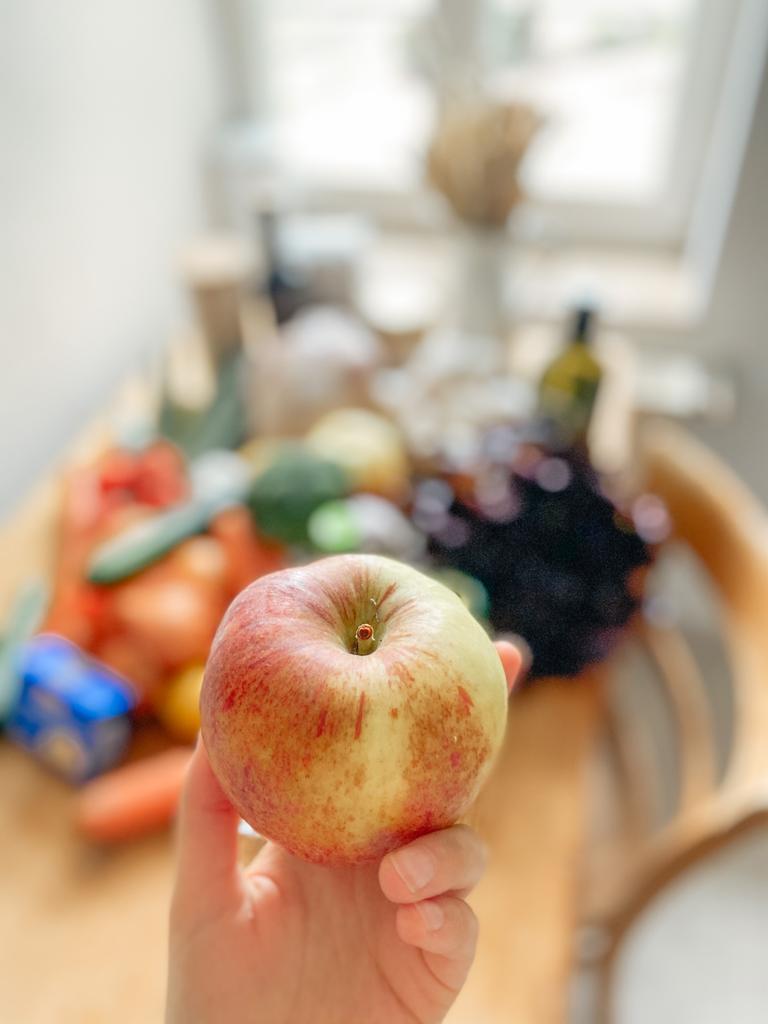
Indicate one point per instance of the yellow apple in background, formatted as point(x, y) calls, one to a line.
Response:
point(369, 448)
point(351, 705)
point(178, 706)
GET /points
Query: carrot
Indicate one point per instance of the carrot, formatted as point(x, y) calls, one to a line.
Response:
point(138, 798)
point(248, 554)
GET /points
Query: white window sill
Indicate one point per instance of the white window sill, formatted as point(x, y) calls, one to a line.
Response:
point(623, 257)
point(647, 292)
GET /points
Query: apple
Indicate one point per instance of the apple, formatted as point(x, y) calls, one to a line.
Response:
point(351, 705)
point(367, 446)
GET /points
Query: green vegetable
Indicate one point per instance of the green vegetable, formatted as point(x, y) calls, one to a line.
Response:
point(220, 425)
point(146, 542)
point(290, 489)
point(23, 620)
point(333, 528)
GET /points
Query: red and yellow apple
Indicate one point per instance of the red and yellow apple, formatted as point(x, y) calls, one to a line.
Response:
point(351, 705)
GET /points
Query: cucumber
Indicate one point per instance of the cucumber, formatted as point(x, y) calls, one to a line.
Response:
point(146, 542)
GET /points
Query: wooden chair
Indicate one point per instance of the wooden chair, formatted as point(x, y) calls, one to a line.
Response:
point(726, 528)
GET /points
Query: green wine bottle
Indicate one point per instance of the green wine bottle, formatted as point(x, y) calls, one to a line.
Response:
point(568, 387)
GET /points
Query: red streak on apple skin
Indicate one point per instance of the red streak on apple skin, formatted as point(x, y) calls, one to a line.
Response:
point(387, 593)
point(447, 753)
point(317, 607)
point(465, 699)
point(359, 719)
point(393, 712)
point(399, 672)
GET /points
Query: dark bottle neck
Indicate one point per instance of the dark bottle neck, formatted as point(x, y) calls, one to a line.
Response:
point(583, 325)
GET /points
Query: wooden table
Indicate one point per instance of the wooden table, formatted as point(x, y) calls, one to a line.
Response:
point(533, 815)
point(83, 931)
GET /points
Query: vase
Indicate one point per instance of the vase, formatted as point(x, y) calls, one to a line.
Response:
point(481, 314)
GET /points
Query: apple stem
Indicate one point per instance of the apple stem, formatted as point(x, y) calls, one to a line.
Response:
point(365, 641)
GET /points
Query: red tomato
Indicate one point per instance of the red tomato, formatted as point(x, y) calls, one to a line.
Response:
point(118, 471)
point(161, 477)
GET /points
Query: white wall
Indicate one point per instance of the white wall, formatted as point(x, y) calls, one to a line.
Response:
point(105, 110)
point(737, 324)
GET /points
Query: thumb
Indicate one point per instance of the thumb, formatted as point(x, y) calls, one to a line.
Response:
point(207, 875)
point(511, 660)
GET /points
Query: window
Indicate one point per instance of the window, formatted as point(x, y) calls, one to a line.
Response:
point(347, 91)
point(607, 76)
point(346, 105)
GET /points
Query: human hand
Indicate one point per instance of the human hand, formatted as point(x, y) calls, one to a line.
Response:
point(286, 942)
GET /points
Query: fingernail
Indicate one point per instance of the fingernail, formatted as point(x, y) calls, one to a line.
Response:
point(432, 915)
point(416, 867)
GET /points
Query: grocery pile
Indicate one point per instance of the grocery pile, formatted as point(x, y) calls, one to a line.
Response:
point(157, 535)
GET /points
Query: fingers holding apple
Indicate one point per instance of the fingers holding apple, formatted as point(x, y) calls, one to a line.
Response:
point(445, 928)
point(427, 880)
point(451, 860)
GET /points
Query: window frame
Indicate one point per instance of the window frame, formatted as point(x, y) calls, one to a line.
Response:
point(242, 161)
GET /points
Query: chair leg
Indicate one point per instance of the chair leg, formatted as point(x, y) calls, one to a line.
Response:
point(604, 998)
point(594, 948)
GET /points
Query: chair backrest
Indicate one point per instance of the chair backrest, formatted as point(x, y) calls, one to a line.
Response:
point(724, 526)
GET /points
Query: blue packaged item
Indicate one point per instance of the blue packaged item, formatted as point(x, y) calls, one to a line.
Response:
point(72, 711)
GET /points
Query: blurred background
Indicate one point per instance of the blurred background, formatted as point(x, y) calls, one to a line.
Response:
point(128, 130)
point(498, 265)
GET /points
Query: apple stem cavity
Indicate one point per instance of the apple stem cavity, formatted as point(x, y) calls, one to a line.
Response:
point(365, 640)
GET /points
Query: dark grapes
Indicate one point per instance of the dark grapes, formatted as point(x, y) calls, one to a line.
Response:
point(550, 548)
